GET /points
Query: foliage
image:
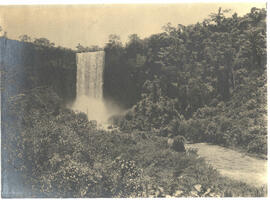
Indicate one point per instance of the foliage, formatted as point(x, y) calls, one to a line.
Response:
point(25, 38)
point(240, 122)
point(205, 81)
point(195, 63)
point(93, 48)
point(154, 111)
point(2, 32)
point(60, 153)
point(43, 42)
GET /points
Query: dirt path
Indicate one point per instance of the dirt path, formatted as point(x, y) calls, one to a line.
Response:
point(234, 164)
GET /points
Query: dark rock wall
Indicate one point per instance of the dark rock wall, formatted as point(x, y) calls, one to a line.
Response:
point(25, 66)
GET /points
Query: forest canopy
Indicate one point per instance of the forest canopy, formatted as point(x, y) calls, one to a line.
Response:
point(202, 74)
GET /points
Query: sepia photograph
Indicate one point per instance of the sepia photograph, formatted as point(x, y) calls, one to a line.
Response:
point(149, 100)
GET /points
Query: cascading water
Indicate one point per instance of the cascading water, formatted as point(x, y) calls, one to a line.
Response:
point(90, 74)
point(89, 98)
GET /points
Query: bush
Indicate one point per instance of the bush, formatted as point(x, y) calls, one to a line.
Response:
point(177, 143)
point(258, 145)
point(63, 155)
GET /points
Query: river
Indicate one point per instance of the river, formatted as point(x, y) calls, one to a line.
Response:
point(233, 164)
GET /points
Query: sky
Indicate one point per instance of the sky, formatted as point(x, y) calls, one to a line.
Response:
point(68, 25)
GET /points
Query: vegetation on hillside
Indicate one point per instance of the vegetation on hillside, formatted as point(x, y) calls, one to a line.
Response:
point(59, 153)
point(205, 81)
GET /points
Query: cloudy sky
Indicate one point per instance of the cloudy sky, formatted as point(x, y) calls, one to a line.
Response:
point(68, 25)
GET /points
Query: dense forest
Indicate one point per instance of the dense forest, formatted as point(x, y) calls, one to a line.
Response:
point(204, 82)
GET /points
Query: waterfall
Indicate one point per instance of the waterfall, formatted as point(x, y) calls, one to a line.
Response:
point(89, 97)
point(90, 74)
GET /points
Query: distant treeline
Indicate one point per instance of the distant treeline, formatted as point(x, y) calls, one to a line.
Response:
point(47, 43)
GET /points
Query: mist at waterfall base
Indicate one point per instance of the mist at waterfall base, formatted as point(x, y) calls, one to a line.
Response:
point(89, 88)
point(95, 109)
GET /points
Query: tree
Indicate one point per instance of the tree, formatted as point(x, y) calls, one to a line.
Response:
point(115, 40)
point(43, 42)
point(219, 17)
point(25, 38)
point(92, 48)
point(80, 48)
point(2, 32)
point(134, 46)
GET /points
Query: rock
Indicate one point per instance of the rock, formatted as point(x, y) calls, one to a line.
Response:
point(168, 196)
point(180, 177)
point(212, 194)
point(110, 127)
point(161, 189)
point(144, 194)
point(170, 142)
point(194, 194)
point(178, 193)
point(157, 193)
point(152, 192)
point(198, 187)
point(177, 143)
point(207, 192)
point(118, 158)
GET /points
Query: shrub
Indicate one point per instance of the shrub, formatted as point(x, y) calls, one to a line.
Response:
point(63, 155)
point(258, 145)
point(177, 143)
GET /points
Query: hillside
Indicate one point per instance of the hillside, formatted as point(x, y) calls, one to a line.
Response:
point(206, 81)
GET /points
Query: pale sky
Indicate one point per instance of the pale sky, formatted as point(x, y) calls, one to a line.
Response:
point(68, 25)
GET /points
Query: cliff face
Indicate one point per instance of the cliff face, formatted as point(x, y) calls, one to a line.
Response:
point(25, 66)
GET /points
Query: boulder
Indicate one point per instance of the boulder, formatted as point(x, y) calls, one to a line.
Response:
point(177, 143)
point(198, 187)
point(194, 194)
point(207, 192)
point(178, 193)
